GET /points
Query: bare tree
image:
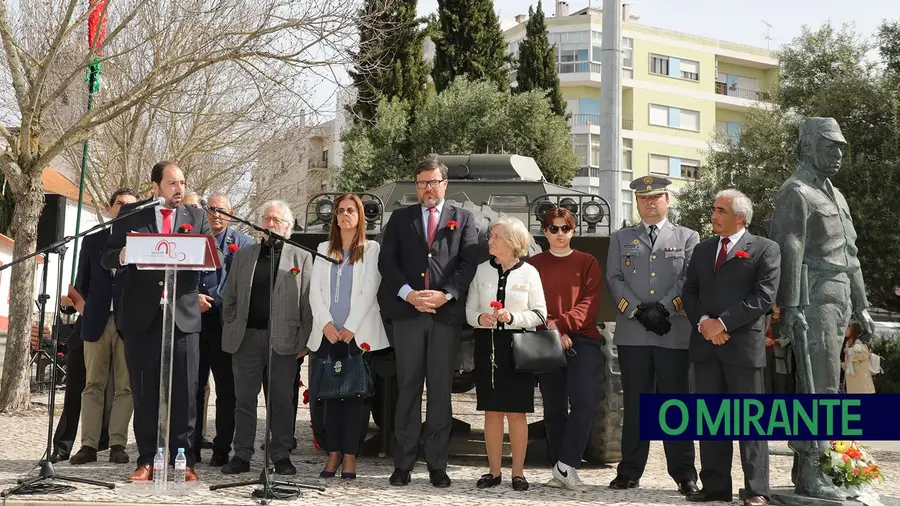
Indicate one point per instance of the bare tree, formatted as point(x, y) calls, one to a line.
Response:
point(152, 49)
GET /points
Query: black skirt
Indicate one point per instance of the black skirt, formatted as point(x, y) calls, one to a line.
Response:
point(511, 392)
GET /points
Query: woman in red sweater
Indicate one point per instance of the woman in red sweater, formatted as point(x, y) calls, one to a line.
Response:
point(572, 282)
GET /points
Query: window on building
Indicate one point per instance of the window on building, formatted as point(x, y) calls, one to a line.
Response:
point(674, 67)
point(588, 172)
point(674, 117)
point(628, 52)
point(596, 46)
point(673, 166)
point(659, 165)
point(595, 150)
point(325, 158)
point(627, 205)
point(729, 131)
point(627, 161)
point(580, 141)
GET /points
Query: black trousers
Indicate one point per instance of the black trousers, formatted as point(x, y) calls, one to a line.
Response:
point(344, 418)
point(143, 352)
point(295, 397)
point(570, 400)
point(714, 377)
point(647, 370)
point(219, 362)
point(66, 429)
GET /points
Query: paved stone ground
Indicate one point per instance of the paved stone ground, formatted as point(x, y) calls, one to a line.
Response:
point(22, 441)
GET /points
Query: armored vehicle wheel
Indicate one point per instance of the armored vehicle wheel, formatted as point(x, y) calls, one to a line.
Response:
point(605, 442)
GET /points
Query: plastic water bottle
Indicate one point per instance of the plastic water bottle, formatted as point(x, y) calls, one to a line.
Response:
point(180, 468)
point(159, 465)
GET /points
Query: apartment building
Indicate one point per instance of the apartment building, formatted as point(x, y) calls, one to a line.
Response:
point(678, 92)
point(301, 162)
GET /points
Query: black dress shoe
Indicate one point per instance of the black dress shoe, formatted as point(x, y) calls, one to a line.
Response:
point(488, 481)
point(218, 459)
point(237, 465)
point(519, 483)
point(688, 487)
point(285, 466)
point(709, 496)
point(400, 477)
point(622, 483)
point(439, 478)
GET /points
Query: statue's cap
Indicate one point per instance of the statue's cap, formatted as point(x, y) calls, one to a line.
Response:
point(826, 127)
point(651, 185)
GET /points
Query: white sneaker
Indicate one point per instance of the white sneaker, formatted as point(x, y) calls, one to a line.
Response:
point(566, 478)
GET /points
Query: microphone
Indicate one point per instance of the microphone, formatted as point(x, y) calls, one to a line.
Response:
point(150, 203)
point(206, 207)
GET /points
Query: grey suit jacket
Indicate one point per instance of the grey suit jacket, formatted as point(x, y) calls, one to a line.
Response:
point(637, 273)
point(292, 315)
point(740, 294)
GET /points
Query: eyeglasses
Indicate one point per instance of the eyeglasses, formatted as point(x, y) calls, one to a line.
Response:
point(555, 229)
point(274, 219)
point(433, 183)
point(348, 211)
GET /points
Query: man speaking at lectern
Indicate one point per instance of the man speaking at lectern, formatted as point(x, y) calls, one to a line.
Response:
point(140, 321)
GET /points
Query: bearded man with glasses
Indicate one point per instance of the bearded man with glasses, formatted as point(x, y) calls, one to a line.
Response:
point(646, 269)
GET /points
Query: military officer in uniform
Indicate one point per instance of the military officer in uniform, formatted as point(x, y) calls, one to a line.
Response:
point(821, 283)
point(646, 270)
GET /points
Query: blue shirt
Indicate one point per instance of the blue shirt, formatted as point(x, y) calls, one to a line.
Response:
point(341, 288)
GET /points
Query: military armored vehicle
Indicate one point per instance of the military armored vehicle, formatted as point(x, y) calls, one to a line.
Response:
point(490, 186)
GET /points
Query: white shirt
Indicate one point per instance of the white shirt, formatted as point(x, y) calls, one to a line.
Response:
point(732, 240)
point(406, 289)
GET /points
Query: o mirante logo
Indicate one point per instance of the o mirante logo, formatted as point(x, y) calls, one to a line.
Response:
point(167, 249)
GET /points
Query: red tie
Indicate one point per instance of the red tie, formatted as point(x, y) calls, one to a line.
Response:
point(722, 253)
point(432, 228)
point(167, 221)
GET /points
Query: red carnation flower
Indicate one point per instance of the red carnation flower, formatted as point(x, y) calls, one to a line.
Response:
point(187, 227)
point(497, 305)
point(306, 397)
point(365, 347)
point(741, 254)
point(233, 247)
point(295, 271)
point(452, 224)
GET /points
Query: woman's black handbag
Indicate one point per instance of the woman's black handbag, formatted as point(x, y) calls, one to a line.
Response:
point(344, 377)
point(538, 351)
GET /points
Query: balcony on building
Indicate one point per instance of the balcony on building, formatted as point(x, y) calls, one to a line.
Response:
point(580, 120)
point(742, 83)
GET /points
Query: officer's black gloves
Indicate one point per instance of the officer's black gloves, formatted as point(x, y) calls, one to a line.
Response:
point(654, 317)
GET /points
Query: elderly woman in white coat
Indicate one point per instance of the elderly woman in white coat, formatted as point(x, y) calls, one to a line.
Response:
point(346, 319)
point(505, 295)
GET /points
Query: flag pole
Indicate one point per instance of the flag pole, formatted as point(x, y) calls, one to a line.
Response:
point(93, 85)
point(96, 32)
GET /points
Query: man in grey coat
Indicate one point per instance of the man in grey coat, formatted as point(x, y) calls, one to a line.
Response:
point(248, 329)
point(645, 270)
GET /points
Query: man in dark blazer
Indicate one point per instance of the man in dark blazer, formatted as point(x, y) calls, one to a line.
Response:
point(212, 288)
point(731, 284)
point(427, 261)
point(140, 321)
point(103, 347)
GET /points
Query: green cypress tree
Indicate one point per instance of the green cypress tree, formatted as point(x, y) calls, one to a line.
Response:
point(390, 61)
point(469, 42)
point(537, 62)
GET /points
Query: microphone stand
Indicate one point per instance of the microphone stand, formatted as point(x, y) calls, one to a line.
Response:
point(270, 488)
point(32, 485)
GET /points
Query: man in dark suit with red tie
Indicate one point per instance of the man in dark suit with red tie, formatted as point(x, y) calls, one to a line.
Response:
point(427, 261)
point(140, 321)
point(731, 284)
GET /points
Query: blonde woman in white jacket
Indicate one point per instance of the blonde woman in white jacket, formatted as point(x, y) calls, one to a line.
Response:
point(346, 319)
point(505, 295)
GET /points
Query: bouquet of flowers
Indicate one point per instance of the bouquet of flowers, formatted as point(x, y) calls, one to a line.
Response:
point(849, 465)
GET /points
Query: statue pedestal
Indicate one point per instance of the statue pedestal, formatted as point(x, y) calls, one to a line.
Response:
point(785, 496)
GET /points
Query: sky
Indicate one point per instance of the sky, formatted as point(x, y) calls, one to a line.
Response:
point(734, 21)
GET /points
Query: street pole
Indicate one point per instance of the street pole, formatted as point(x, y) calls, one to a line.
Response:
point(611, 111)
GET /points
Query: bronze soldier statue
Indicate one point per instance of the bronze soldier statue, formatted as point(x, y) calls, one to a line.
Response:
point(821, 280)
